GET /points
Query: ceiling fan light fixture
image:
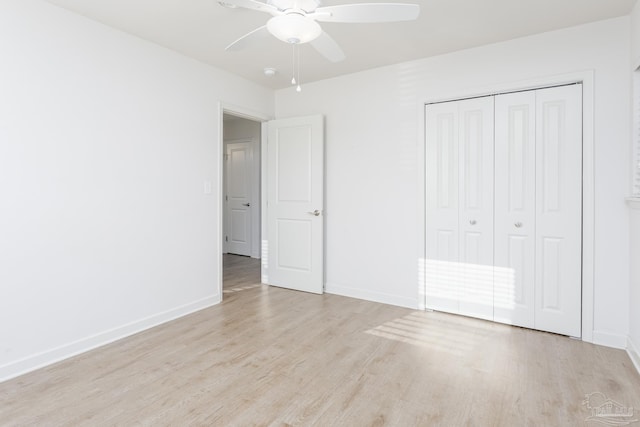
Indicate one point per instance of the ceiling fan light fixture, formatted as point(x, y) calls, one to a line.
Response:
point(294, 28)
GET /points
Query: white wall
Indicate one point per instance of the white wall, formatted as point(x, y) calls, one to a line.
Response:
point(374, 137)
point(105, 144)
point(635, 36)
point(633, 345)
point(242, 129)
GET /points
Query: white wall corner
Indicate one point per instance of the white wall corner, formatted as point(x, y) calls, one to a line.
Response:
point(609, 339)
point(367, 295)
point(66, 351)
point(633, 351)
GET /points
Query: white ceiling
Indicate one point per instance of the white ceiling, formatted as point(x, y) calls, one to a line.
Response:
point(202, 29)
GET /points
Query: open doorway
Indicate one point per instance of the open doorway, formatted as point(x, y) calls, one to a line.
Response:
point(287, 174)
point(241, 212)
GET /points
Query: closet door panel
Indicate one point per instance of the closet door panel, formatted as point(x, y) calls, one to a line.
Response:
point(442, 267)
point(476, 207)
point(559, 210)
point(514, 249)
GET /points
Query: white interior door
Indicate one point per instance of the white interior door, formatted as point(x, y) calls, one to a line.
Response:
point(476, 206)
point(559, 210)
point(515, 199)
point(295, 196)
point(239, 175)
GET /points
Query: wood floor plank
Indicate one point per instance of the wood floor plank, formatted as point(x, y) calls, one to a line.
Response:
point(272, 357)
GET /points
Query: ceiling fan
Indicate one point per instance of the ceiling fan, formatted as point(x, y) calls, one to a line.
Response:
point(296, 21)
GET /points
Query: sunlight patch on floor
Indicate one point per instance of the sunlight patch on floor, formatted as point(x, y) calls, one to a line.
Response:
point(456, 336)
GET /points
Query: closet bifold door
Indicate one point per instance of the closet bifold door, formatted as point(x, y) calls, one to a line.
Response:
point(558, 282)
point(504, 208)
point(475, 147)
point(538, 209)
point(515, 199)
point(441, 267)
point(459, 266)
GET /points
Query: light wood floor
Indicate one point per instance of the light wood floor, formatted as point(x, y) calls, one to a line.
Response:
point(240, 273)
point(269, 356)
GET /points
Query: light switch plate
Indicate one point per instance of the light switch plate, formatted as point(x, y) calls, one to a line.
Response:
point(207, 187)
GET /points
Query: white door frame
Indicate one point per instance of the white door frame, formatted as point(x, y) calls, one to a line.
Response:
point(587, 79)
point(250, 115)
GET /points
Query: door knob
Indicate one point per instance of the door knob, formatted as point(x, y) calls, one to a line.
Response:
point(518, 224)
point(314, 213)
point(246, 204)
point(473, 222)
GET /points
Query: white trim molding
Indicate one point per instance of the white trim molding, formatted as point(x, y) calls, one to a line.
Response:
point(363, 294)
point(608, 339)
point(65, 351)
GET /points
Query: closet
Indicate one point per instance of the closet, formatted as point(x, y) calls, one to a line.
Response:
point(504, 208)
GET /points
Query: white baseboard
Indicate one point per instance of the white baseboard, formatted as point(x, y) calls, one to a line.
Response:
point(65, 351)
point(608, 339)
point(367, 295)
point(634, 353)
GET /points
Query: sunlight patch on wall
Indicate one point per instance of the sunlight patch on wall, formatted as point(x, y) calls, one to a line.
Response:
point(422, 284)
point(485, 285)
point(264, 259)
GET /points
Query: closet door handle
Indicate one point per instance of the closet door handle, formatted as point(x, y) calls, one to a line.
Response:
point(473, 222)
point(246, 204)
point(518, 224)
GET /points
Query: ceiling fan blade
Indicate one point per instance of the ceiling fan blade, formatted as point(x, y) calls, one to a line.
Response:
point(327, 47)
point(251, 4)
point(243, 41)
point(367, 13)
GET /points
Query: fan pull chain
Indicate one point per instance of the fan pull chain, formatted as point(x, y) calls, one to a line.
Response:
point(299, 88)
point(293, 64)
